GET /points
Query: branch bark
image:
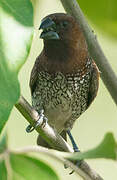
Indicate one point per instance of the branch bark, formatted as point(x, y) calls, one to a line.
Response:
point(54, 139)
point(107, 74)
point(50, 135)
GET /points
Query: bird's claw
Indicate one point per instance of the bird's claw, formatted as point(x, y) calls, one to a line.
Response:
point(78, 163)
point(42, 121)
point(29, 128)
point(45, 120)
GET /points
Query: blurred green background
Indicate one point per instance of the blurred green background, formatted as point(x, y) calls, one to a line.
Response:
point(90, 128)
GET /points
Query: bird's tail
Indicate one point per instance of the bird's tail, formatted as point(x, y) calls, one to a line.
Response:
point(42, 142)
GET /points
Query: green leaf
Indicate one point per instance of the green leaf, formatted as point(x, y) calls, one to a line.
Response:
point(3, 143)
point(27, 168)
point(3, 171)
point(21, 10)
point(16, 20)
point(102, 13)
point(9, 92)
point(106, 149)
point(16, 36)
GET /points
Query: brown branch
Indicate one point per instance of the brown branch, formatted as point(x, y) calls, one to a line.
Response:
point(107, 74)
point(54, 139)
point(50, 135)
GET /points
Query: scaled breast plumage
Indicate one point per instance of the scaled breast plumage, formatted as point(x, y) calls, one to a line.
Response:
point(65, 96)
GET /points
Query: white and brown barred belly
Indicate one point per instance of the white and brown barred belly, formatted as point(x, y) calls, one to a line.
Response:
point(63, 97)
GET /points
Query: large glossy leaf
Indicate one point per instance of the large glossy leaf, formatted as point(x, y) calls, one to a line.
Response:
point(21, 10)
point(106, 149)
point(16, 20)
point(102, 13)
point(3, 171)
point(22, 166)
point(29, 168)
point(3, 143)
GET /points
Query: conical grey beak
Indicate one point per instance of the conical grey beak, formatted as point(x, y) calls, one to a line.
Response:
point(49, 30)
point(46, 23)
point(49, 35)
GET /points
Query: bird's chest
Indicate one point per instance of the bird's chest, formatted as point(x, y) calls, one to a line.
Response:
point(63, 97)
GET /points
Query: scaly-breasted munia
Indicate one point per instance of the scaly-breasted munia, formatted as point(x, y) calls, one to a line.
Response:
point(64, 80)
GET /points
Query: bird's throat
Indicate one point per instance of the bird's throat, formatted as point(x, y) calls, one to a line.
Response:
point(58, 50)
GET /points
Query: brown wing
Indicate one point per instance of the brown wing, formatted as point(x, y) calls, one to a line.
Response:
point(33, 76)
point(94, 84)
point(40, 65)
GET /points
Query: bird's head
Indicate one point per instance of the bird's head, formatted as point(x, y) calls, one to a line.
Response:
point(59, 26)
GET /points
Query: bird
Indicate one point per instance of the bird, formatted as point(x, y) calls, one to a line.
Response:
point(64, 80)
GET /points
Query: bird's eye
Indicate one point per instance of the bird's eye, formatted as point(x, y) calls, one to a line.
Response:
point(64, 24)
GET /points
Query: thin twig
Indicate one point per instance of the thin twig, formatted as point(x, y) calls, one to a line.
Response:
point(58, 156)
point(107, 74)
point(54, 139)
point(50, 135)
point(50, 152)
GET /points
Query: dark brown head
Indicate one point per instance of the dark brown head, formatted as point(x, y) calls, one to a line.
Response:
point(63, 38)
point(60, 26)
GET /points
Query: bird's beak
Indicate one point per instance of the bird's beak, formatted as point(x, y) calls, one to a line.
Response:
point(49, 29)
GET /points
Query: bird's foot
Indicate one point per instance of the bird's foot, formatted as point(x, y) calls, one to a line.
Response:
point(76, 149)
point(40, 122)
point(76, 163)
